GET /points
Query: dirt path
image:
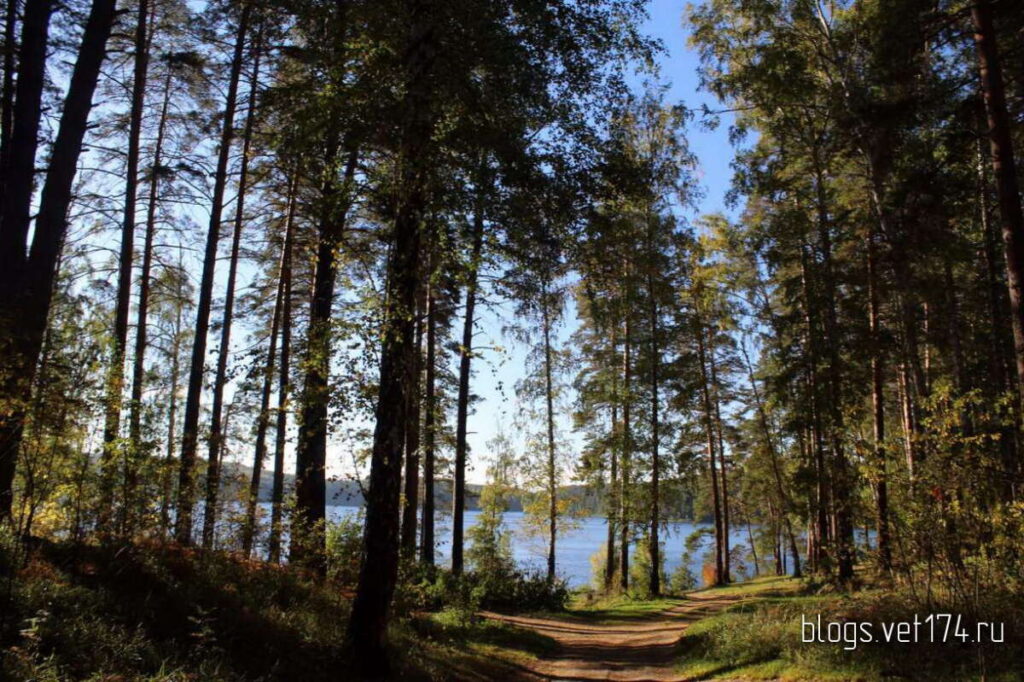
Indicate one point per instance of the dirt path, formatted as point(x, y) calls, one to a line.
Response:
point(633, 648)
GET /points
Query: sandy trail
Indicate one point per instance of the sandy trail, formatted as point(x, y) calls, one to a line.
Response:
point(640, 648)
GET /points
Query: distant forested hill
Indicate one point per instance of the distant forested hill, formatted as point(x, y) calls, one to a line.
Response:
point(346, 492)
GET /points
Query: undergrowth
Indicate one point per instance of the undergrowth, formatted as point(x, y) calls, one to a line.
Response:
point(762, 639)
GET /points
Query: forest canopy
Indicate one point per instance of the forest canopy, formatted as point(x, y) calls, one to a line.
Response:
point(251, 248)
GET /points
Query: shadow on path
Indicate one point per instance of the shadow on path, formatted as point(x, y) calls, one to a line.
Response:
point(631, 648)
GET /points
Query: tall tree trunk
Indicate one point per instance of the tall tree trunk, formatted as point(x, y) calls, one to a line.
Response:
point(19, 177)
point(613, 487)
point(32, 295)
point(142, 311)
point(753, 545)
point(462, 405)
point(816, 441)
point(1000, 351)
point(1005, 170)
point(841, 484)
point(716, 400)
point(410, 504)
point(773, 454)
point(655, 521)
point(115, 376)
point(167, 475)
point(709, 431)
point(776, 547)
point(263, 420)
point(367, 629)
point(878, 405)
point(190, 426)
point(627, 453)
point(552, 465)
point(308, 531)
point(283, 386)
point(907, 419)
point(7, 88)
point(429, 423)
point(217, 430)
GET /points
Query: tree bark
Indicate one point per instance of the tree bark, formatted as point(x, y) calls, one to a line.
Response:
point(429, 425)
point(142, 311)
point(190, 427)
point(16, 341)
point(263, 420)
point(821, 530)
point(410, 504)
point(7, 88)
point(462, 405)
point(172, 416)
point(878, 405)
point(283, 389)
point(780, 488)
point(552, 465)
point(367, 629)
point(627, 454)
point(32, 296)
point(709, 431)
point(613, 488)
point(1000, 351)
point(217, 430)
point(655, 521)
point(308, 533)
point(115, 377)
point(1005, 170)
point(716, 401)
point(841, 485)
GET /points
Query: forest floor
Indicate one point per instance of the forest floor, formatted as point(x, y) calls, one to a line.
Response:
point(622, 645)
point(746, 631)
point(158, 612)
point(624, 639)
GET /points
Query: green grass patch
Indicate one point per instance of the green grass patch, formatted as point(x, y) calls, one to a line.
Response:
point(761, 638)
point(763, 586)
point(452, 628)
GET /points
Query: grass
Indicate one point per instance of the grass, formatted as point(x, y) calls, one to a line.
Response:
point(163, 613)
point(760, 639)
point(482, 636)
point(166, 613)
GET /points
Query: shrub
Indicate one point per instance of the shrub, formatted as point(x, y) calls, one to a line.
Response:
point(345, 548)
point(682, 579)
point(640, 570)
point(507, 590)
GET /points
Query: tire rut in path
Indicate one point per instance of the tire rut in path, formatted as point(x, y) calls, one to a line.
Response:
point(623, 649)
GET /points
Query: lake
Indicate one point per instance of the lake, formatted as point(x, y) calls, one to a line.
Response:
point(574, 546)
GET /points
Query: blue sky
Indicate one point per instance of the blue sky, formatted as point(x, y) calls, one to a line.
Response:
point(493, 370)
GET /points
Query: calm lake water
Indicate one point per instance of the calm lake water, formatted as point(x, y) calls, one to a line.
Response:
point(574, 546)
